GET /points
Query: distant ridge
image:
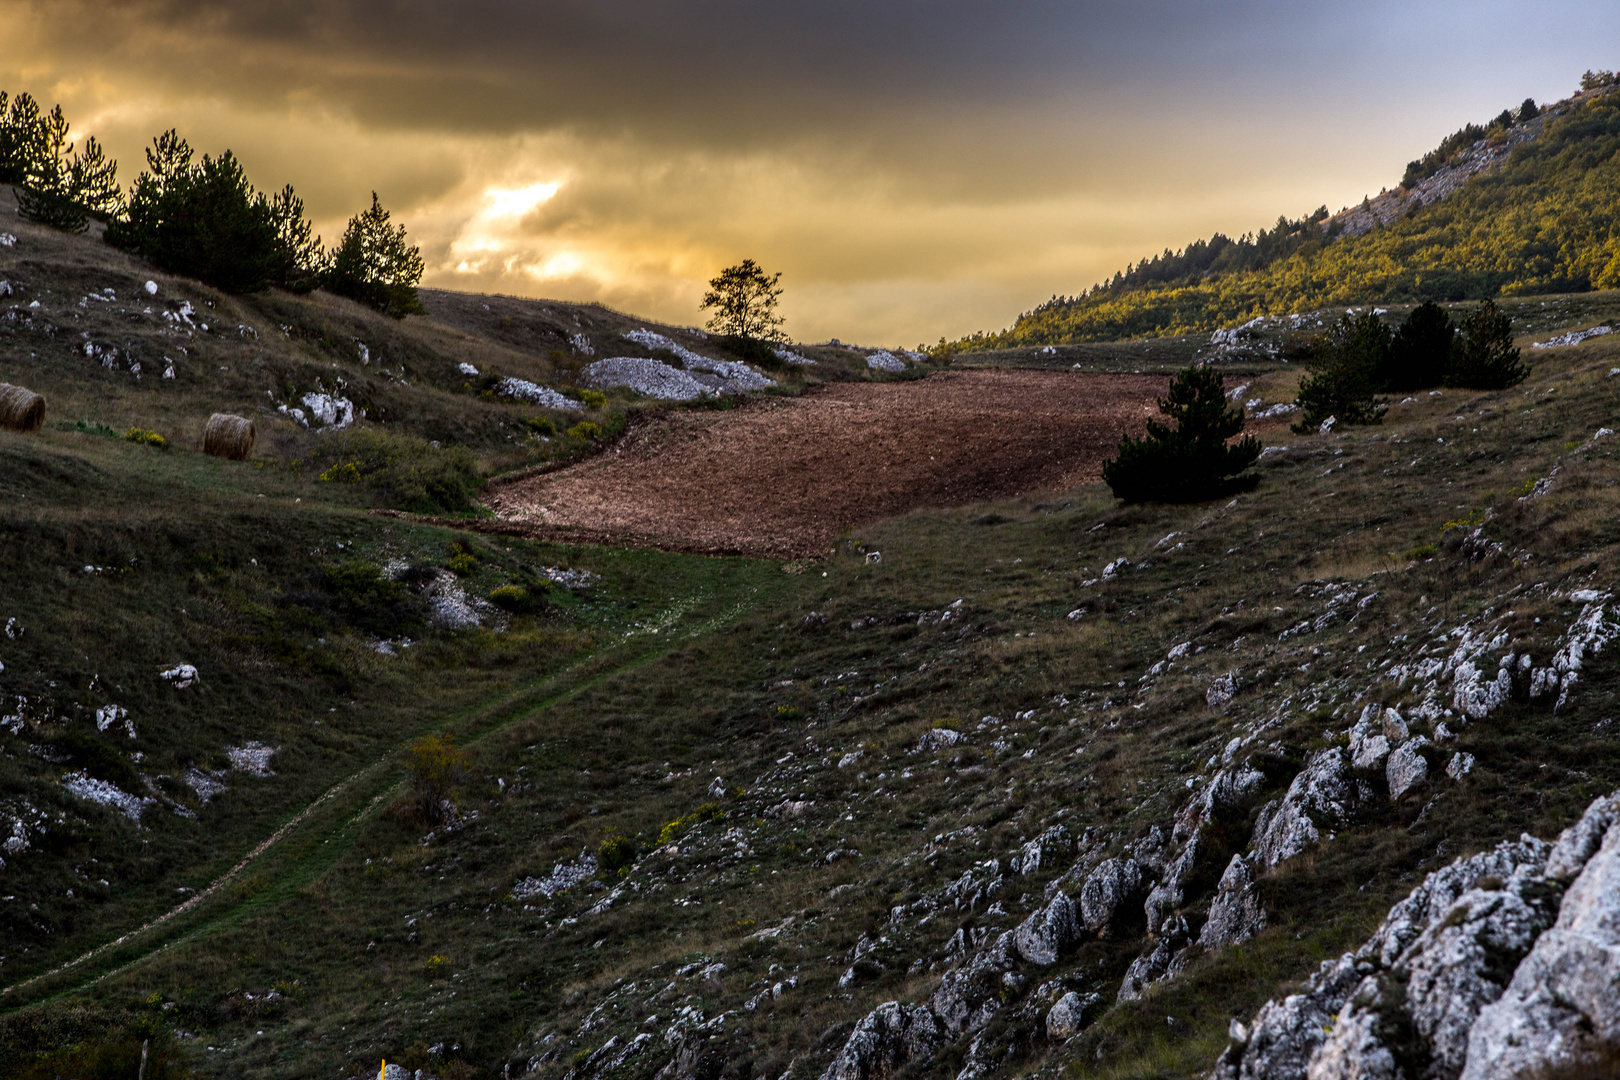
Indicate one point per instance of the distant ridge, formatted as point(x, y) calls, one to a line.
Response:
point(1530, 206)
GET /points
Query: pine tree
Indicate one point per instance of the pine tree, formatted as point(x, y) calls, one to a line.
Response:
point(1483, 356)
point(375, 266)
point(205, 220)
point(19, 137)
point(1194, 460)
point(1420, 351)
point(1528, 111)
point(1349, 365)
point(56, 184)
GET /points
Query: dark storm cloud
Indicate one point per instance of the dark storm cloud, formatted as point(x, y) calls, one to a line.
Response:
point(914, 168)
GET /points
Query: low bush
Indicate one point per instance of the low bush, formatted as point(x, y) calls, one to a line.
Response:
point(615, 853)
point(462, 564)
point(540, 425)
point(750, 349)
point(593, 399)
point(358, 594)
point(409, 473)
point(1192, 461)
point(673, 830)
point(434, 772)
point(513, 598)
point(146, 437)
point(585, 431)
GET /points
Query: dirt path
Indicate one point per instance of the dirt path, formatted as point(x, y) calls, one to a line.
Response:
point(783, 477)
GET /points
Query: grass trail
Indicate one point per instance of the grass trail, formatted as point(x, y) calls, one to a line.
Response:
point(367, 788)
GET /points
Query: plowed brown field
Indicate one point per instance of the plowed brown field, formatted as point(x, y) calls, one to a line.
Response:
point(782, 477)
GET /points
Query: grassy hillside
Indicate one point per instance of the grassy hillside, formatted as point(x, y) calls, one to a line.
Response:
point(1529, 209)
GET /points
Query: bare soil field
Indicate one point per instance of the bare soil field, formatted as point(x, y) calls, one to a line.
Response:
point(782, 477)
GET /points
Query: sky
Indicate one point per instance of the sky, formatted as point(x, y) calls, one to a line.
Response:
point(914, 170)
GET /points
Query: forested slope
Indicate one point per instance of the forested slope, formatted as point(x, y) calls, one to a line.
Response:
point(1538, 216)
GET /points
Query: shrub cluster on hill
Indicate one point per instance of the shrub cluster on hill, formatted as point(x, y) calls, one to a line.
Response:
point(202, 219)
point(1360, 358)
point(1548, 220)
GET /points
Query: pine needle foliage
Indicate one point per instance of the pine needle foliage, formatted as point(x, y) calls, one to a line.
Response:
point(1420, 351)
point(1349, 367)
point(56, 184)
point(375, 265)
point(1193, 461)
point(205, 220)
point(1483, 356)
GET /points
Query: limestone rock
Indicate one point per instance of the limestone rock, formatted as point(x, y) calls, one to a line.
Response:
point(1460, 964)
point(1068, 1016)
point(1560, 1016)
point(1222, 690)
point(1115, 885)
point(1236, 913)
point(1577, 844)
point(1286, 1034)
point(1355, 1049)
point(1407, 768)
point(1435, 896)
point(1047, 932)
point(886, 1039)
point(1146, 970)
point(1323, 791)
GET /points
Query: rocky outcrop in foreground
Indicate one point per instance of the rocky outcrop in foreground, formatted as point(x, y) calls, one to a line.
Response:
point(1505, 964)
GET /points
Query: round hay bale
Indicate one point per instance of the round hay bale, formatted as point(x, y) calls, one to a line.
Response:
point(228, 436)
point(21, 409)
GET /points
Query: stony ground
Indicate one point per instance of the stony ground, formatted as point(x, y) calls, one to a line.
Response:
point(783, 477)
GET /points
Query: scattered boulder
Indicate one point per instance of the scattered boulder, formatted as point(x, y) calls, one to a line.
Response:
point(886, 1039)
point(1236, 914)
point(1222, 690)
point(1407, 769)
point(1115, 886)
point(1047, 932)
point(1068, 1016)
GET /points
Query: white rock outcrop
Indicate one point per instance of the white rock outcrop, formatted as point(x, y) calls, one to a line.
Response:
point(1488, 969)
point(886, 1039)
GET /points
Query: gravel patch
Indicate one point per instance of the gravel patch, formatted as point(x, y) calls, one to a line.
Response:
point(252, 758)
point(88, 788)
point(535, 394)
point(654, 378)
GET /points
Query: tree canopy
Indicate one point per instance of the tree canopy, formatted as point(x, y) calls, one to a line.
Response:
point(375, 265)
point(744, 300)
point(1194, 460)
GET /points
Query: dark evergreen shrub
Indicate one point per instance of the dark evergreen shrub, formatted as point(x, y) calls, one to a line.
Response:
point(750, 349)
point(1192, 461)
point(1483, 356)
point(56, 185)
point(1420, 351)
point(205, 220)
point(1349, 365)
